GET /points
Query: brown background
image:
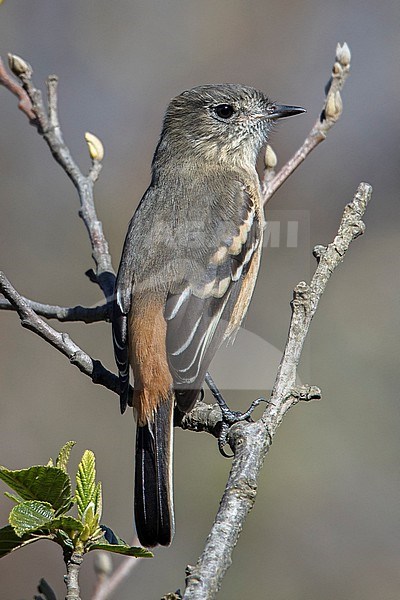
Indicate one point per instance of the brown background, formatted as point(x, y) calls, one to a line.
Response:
point(326, 520)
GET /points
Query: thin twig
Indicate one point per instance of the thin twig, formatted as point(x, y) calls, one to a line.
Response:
point(61, 341)
point(306, 297)
point(47, 123)
point(24, 104)
point(86, 314)
point(250, 441)
point(329, 115)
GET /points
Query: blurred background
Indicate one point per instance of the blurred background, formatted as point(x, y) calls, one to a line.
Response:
point(326, 519)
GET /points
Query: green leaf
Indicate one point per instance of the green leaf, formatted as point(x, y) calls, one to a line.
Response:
point(88, 516)
point(31, 515)
point(10, 541)
point(63, 456)
point(90, 519)
point(86, 481)
point(126, 550)
point(68, 524)
point(85, 535)
point(48, 484)
point(98, 501)
point(63, 539)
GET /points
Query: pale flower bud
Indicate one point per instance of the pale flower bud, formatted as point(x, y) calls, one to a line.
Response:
point(337, 69)
point(18, 65)
point(343, 54)
point(96, 148)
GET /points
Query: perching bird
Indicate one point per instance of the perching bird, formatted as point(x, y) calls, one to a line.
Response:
point(187, 272)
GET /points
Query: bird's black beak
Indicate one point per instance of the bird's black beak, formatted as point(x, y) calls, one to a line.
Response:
point(282, 111)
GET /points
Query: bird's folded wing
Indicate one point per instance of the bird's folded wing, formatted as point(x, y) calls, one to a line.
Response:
point(198, 317)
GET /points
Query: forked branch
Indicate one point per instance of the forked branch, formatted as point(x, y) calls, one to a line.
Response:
point(48, 126)
point(330, 114)
point(250, 441)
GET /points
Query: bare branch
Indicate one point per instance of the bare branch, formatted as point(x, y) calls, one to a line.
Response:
point(11, 84)
point(92, 314)
point(61, 341)
point(306, 297)
point(49, 128)
point(250, 441)
point(203, 417)
point(73, 563)
point(329, 115)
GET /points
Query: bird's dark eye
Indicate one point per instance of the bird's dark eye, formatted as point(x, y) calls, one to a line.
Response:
point(224, 111)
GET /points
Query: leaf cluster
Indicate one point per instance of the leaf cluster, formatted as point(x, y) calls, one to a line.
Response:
point(43, 496)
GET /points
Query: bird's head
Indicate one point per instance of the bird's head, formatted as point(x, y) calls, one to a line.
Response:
point(219, 122)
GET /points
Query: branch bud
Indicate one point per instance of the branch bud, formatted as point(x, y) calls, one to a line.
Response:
point(319, 251)
point(270, 158)
point(343, 54)
point(337, 69)
point(333, 106)
point(96, 148)
point(19, 66)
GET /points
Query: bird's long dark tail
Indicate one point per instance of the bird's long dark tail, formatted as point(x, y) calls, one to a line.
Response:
point(154, 510)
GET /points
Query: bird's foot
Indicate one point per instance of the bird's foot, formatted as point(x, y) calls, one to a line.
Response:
point(229, 417)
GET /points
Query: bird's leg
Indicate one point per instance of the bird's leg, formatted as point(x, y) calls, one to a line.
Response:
point(229, 417)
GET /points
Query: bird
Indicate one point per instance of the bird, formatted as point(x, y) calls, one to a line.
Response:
point(187, 273)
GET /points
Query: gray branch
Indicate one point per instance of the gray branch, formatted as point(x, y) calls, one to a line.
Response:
point(86, 314)
point(330, 114)
point(47, 124)
point(250, 441)
point(73, 563)
point(61, 341)
point(203, 417)
point(24, 104)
